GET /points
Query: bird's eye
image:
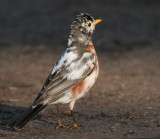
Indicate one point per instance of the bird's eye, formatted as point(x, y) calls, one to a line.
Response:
point(89, 24)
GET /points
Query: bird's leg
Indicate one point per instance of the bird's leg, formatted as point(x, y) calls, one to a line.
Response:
point(74, 120)
point(59, 121)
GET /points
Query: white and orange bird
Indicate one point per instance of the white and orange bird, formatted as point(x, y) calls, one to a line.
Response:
point(72, 76)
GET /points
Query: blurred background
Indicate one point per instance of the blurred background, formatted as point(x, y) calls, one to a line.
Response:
point(126, 96)
point(47, 22)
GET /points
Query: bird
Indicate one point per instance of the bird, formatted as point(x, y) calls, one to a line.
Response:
point(71, 77)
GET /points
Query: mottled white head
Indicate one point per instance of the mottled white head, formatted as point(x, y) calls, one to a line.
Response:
point(82, 28)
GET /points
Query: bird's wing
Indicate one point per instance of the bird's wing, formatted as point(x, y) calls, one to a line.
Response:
point(71, 68)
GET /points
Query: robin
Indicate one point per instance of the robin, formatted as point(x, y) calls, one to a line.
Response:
point(72, 76)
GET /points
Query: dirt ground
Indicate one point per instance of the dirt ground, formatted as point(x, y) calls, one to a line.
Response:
point(124, 102)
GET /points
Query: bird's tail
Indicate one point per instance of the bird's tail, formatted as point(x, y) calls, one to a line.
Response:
point(27, 115)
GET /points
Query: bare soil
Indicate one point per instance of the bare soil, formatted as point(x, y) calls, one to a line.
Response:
point(124, 102)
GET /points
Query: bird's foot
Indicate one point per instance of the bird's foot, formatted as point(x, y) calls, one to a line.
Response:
point(62, 126)
point(75, 126)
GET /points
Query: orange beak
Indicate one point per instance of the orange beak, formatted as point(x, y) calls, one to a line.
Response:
point(97, 21)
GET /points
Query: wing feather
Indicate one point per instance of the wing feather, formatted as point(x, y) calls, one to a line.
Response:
point(67, 76)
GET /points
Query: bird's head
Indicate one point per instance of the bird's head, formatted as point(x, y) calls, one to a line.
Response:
point(82, 26)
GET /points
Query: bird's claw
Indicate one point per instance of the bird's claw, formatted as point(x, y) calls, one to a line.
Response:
point(75, 126)
point(62, 126)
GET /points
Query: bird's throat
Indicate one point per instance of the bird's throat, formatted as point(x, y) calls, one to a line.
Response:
point(79, 41)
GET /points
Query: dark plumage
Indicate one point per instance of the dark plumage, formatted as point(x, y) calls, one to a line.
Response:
point(26, 116)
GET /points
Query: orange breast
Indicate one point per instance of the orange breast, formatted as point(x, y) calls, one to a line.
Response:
point(85, 85)
point(78, 89)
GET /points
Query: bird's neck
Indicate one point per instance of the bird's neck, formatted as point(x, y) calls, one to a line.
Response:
point(78, 41)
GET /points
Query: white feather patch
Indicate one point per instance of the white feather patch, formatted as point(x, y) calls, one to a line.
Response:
point(69, 42)
point(71, 105)
point(67, 57)
point(77, 70)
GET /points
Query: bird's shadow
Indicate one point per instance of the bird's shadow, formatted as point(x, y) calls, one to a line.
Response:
point(8, 114)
